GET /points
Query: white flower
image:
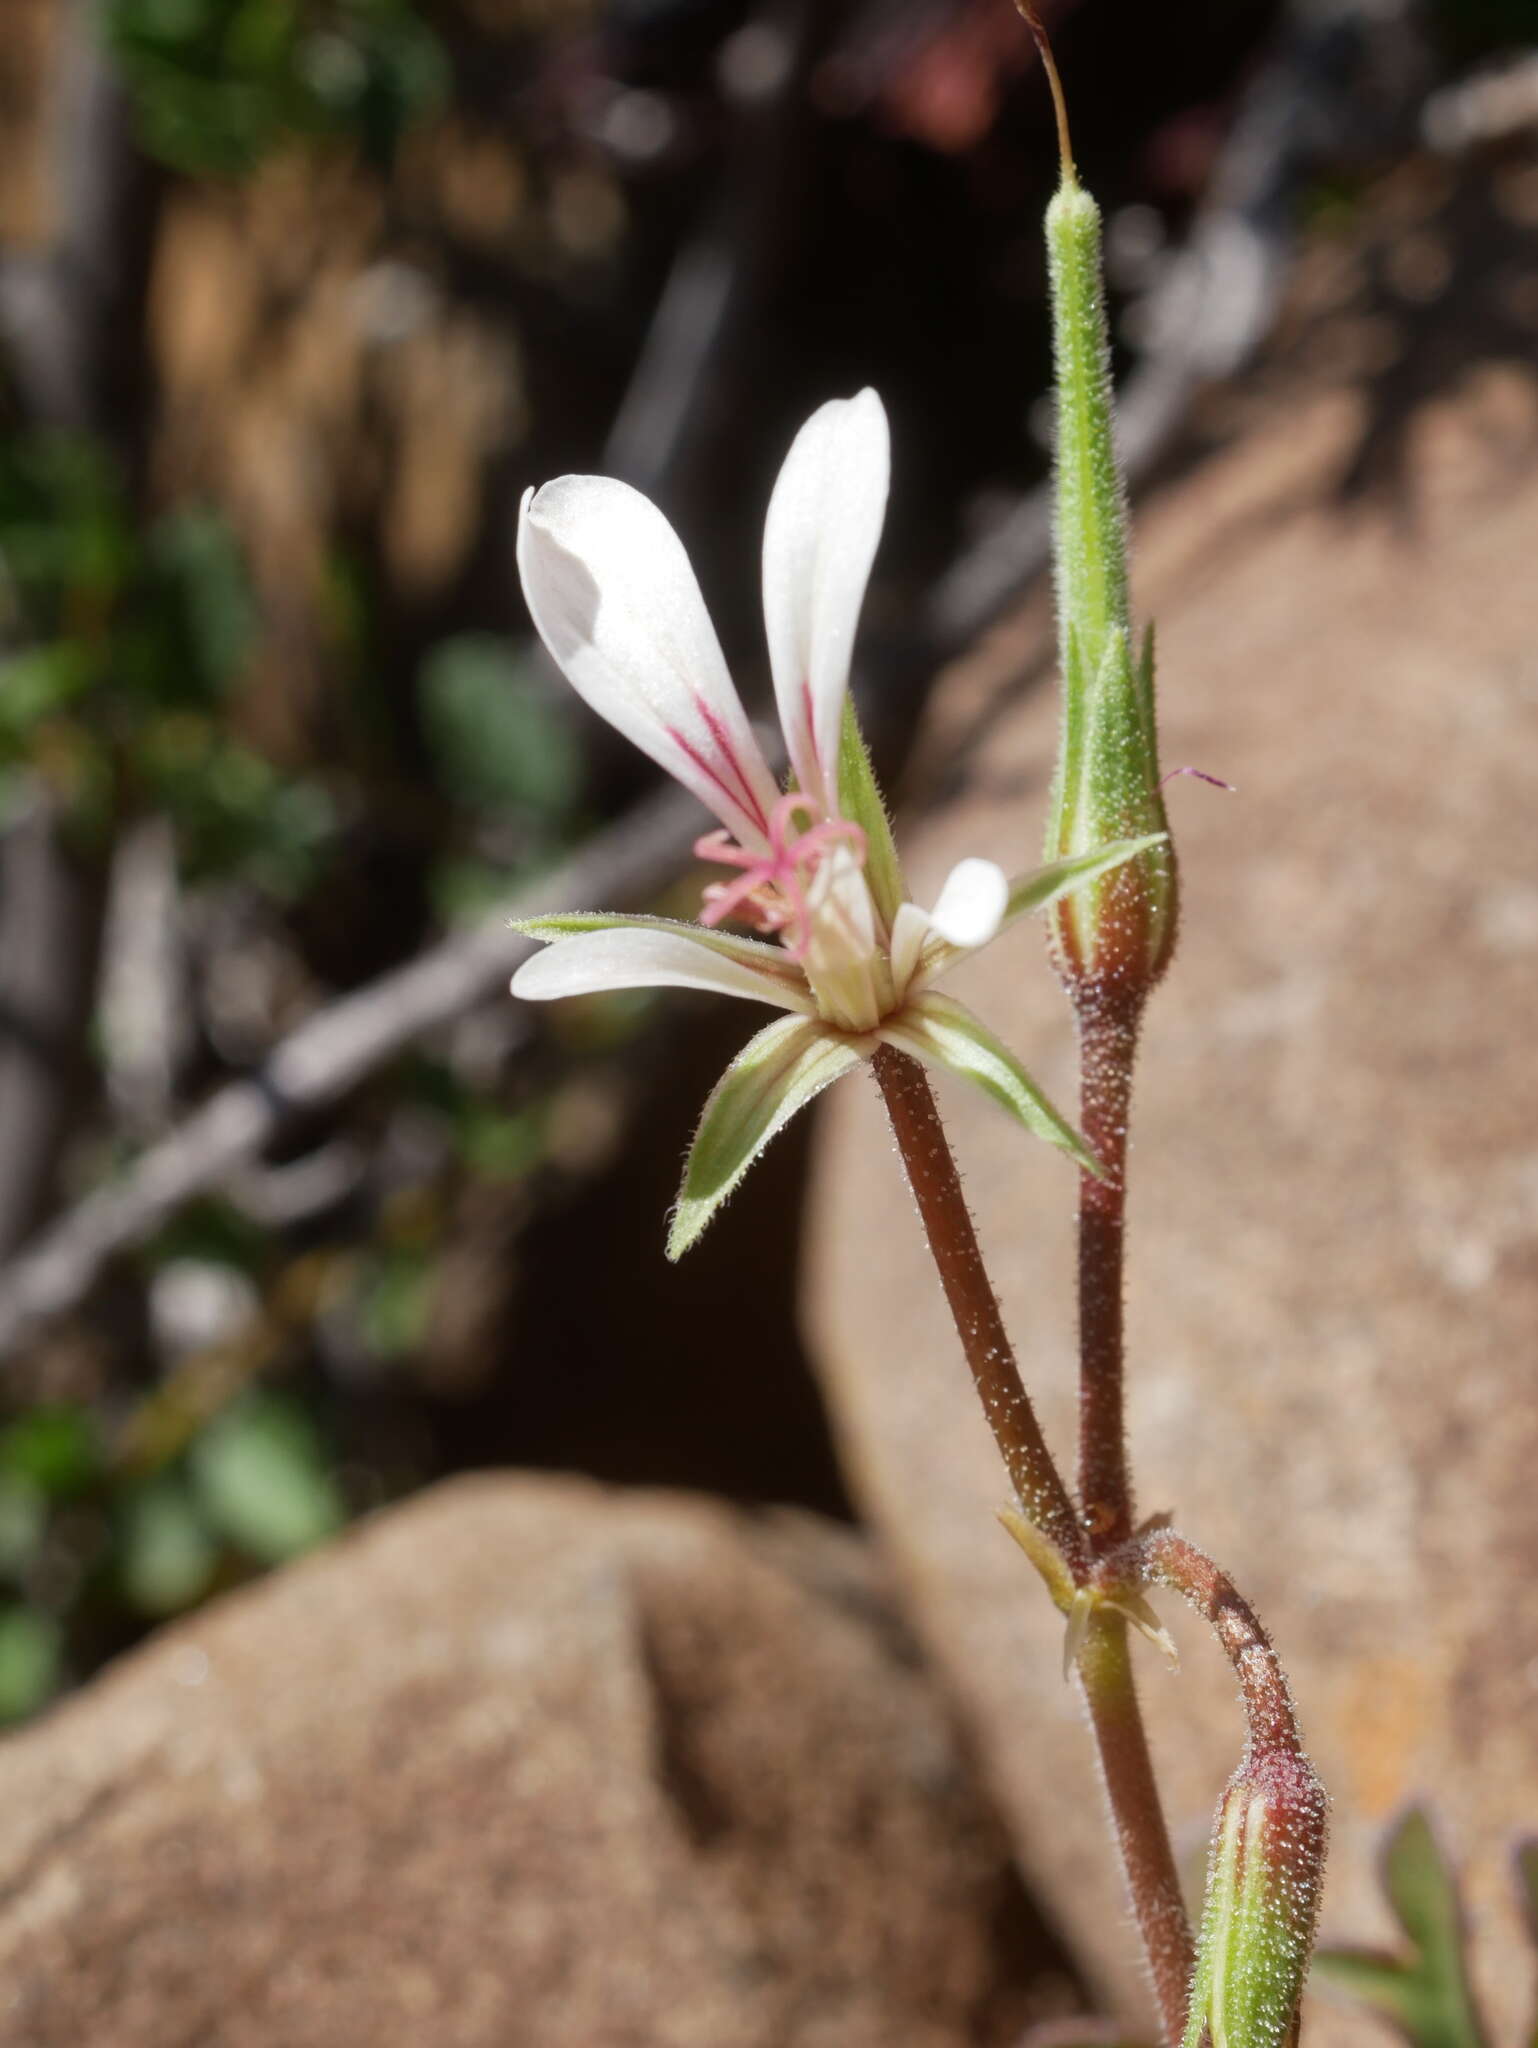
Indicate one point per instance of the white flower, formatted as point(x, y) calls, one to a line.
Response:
point(851, 960)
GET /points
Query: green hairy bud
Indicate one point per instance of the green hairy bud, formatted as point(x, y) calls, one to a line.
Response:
point(1119, 933)
point(1264, 1875)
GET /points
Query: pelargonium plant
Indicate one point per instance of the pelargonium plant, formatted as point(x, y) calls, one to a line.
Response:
point(835, 943)
point(850, 959)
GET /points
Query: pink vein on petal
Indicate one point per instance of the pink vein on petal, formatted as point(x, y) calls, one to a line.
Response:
point(811, 725)
point(753, 807)
point(722, 739)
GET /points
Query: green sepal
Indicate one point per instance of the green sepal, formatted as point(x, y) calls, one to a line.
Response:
point(944, 1033)
point(1091, 535)
point(1038, 889)
point(777, 1072)
point(1110, 791)
point(1107, 782)
point(1115, 793)
point(1264, 1874)
point(1061, 877)
point(861, 802)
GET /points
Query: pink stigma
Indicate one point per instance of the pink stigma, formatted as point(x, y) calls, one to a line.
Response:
point(771, 890)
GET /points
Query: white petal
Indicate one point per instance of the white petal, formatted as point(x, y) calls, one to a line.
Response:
point(970, 908)
point(820, 539)
point(909, 929)
point(759, 954)
point(611, 591)
point(632, 958)
point(970, 911)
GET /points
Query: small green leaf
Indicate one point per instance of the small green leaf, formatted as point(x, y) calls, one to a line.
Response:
point(862, 804)
point(30, 1650)
point(1377, 1981)
point(261, 1480)
point(1427, 1993)
point(944, 1033)
point(1421, 1888)
point(777, 1072)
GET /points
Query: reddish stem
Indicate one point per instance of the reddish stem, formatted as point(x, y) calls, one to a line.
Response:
point(1104, 1665)
point(936, 1185)
point(1108, 1028)
point(1108, 1017)
point(1170, 1560)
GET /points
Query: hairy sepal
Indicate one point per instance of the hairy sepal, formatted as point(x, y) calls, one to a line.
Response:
point(777, 1072)
point(861, 802)
point(945, 1034)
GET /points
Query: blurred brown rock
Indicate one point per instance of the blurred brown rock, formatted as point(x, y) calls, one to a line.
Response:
point(527, 1761)
point(1334, 1284)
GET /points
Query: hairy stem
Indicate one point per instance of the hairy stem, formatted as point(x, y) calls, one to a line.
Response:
point(936, 1185)
point(1104, 1666)
point(1108, 1027)
point(1105, 1670)
point(1169, 1560)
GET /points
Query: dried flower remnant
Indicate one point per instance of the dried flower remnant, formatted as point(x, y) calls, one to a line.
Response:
point(844, 952)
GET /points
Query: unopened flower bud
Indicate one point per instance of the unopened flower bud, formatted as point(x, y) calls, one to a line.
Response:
point(1264, 1874)
point(1117, 935)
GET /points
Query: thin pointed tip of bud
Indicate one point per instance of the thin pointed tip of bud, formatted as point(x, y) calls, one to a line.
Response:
point(1027, 12)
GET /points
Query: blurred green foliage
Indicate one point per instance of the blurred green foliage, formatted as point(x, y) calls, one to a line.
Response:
point(260, 1479)
point(121, 647)
point(508, 760)
point(1424, 1992)
point(220, 83)
point(497, 740)
point(29, 1660)
point(88, 1534)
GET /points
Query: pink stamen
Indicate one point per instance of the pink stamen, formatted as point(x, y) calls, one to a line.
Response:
point(1201, 775)
point(773, 886)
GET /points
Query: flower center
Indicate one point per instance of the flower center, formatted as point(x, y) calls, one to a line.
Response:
point(771, 891)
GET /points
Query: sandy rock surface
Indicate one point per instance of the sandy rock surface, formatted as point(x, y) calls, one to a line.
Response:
point(525, 1762)
point(1335, 1173)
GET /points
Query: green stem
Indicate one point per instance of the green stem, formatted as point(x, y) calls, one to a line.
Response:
point(1110, 1692)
